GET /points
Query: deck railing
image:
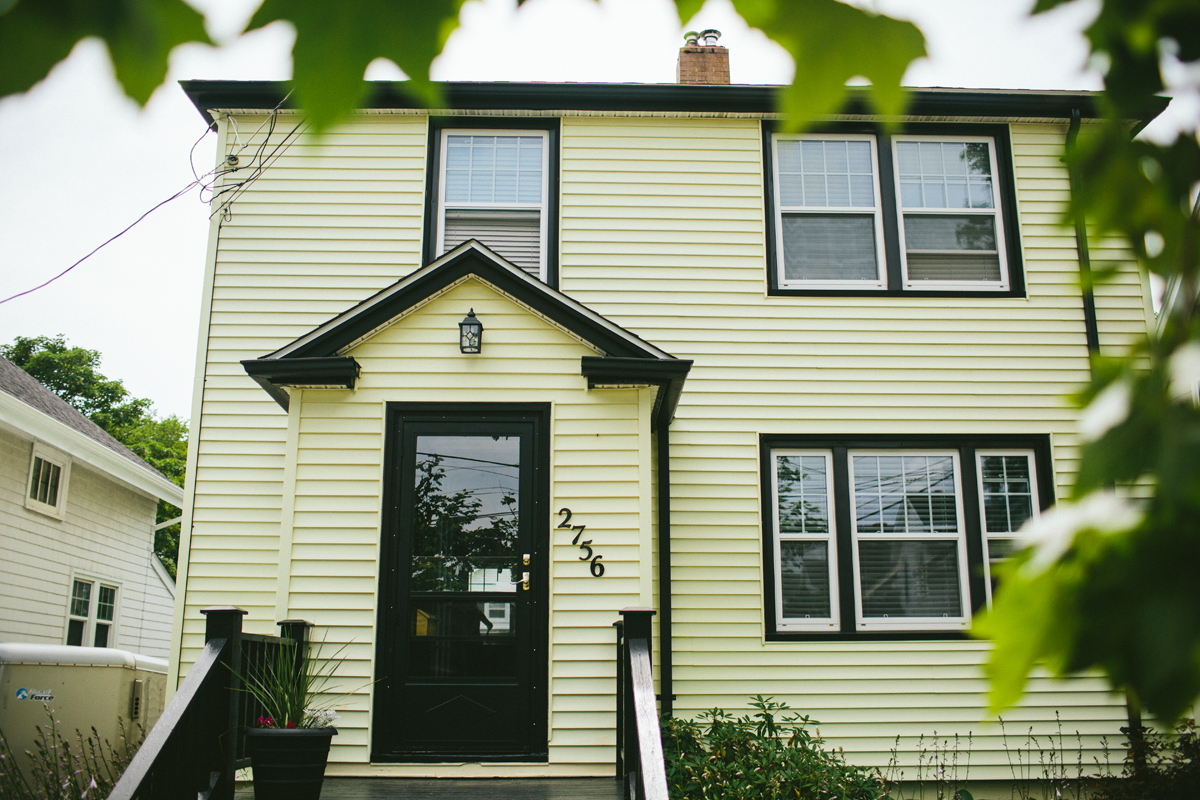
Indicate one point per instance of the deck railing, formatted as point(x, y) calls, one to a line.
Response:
point(198, 744)
point(640, 764)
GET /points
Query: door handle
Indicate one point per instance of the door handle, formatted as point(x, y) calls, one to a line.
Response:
point(524, 583)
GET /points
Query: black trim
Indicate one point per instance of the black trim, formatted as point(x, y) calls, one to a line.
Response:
point(1091, 328)
point(391, 550)
point(666, 662)
point(469, 262)
point(335, 372)
point(966, 444)
point(1005, 186)
point(266, 95)
point(433, 175)
point(667, 374)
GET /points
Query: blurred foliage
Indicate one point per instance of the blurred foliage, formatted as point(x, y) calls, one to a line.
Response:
point(73, 374)
point(767, 755)
point(1126, 601)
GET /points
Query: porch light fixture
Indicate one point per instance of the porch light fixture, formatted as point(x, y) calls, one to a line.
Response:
point(470, 334)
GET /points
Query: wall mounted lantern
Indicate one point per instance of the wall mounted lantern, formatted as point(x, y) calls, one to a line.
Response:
point(470, 334)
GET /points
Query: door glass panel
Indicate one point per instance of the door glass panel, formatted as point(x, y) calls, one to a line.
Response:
point(462, 639)
point(465, 522)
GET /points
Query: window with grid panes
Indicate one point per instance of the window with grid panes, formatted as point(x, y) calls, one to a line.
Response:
point(494, 189)
point(91, 613)
point(47, 488)
point(903, 541)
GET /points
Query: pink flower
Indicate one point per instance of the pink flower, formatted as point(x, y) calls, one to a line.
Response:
point(266, 722)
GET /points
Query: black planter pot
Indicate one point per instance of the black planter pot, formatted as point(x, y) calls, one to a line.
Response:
point(289, 764)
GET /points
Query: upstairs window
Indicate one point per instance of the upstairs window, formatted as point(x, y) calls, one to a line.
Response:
point(495, 188)
point(48, 476)
point(829, 229)
point(952, 236)
point(863, 211)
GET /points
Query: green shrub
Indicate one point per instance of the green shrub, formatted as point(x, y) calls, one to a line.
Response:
point(767, 755)
point(1157, 766)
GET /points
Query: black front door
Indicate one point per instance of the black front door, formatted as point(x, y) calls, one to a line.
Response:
point(461, 661)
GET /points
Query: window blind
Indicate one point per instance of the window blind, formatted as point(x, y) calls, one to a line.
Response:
point(514, 234)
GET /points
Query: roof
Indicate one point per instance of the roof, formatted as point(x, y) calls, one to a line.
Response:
point(318, 357)
point(661, 97)
point(52, 409)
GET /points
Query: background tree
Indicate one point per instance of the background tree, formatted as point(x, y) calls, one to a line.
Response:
point(1108, 583)
point(73, 374)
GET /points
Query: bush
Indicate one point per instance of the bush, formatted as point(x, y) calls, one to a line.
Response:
point(1157, 766)
point(762, 756)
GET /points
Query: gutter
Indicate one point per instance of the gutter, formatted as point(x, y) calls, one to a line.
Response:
point(666, 687)
point(1091, 329)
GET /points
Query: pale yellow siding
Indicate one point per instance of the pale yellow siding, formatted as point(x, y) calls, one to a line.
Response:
point(662, 232)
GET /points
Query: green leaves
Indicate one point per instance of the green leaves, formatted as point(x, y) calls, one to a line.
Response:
point(336, 42)
point(831, 43)
point(140, 34)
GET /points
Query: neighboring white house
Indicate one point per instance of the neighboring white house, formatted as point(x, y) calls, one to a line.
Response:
point(795, 392)
point(77, 517)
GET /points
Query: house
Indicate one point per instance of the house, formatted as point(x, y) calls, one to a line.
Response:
point(472, 380)
point(77, 518)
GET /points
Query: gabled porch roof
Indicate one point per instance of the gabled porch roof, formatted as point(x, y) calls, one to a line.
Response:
point(318, 359)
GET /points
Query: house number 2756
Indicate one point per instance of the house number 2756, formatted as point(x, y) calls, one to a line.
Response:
point(586, 545)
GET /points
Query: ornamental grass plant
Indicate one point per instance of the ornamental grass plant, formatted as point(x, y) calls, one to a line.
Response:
point(87, 769)
point(290, 684)
point(767, 755)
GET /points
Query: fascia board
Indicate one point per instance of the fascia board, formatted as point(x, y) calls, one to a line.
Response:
point(32, 422)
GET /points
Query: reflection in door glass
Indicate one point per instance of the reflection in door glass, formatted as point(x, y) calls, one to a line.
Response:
point(465, 521)
point(462, 639)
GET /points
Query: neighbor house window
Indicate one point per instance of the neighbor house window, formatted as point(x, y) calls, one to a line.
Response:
point(866, 210)
point(494, 188)
point(47, 489)
point(1009, 498)
point(907, 527)
point(829, 229)
point(91, 614)
point(951, 236)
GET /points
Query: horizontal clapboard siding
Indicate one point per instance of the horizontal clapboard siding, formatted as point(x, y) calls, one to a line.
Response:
point(681, 263)
point(662, 232)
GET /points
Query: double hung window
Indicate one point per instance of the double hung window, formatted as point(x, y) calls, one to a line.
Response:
point(494, 186)
point(870, 211)
point(91, 616)
point(830, 231)
point(891, 536)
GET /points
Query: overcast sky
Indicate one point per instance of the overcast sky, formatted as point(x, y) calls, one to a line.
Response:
point(80, 161)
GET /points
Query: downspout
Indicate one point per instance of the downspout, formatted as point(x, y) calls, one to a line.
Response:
point(1081, 247)
point(664, 561)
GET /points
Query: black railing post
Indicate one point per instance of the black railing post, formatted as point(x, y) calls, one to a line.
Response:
point(620, 627)
point(298, 631)
point(225, 622)
point(638, 625)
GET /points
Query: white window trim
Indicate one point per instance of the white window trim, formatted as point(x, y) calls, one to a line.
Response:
point(912, 623)
point(880, 283)
point(792, 624)
point(543, 208)
point(63, 462)
point(987, 538)
point(996, 212)
point(89, 627)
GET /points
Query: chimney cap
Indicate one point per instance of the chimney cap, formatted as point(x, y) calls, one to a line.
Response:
point(710, 36)
point(691, 39)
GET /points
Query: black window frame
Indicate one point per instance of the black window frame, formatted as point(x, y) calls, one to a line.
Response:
point(1007, 207)
point(965, 444)
point(437, 124)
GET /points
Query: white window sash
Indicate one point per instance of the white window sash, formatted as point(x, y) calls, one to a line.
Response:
point(876, 211)
point(793, 624)
point(995, 212)
point(987, 538)
point(92, 619)
point(64, 465)
point(911, 623)
point(543, 207)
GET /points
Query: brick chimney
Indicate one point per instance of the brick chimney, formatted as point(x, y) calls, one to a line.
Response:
point(702, 60)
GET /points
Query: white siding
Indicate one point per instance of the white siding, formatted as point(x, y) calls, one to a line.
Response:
point(106, 534)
